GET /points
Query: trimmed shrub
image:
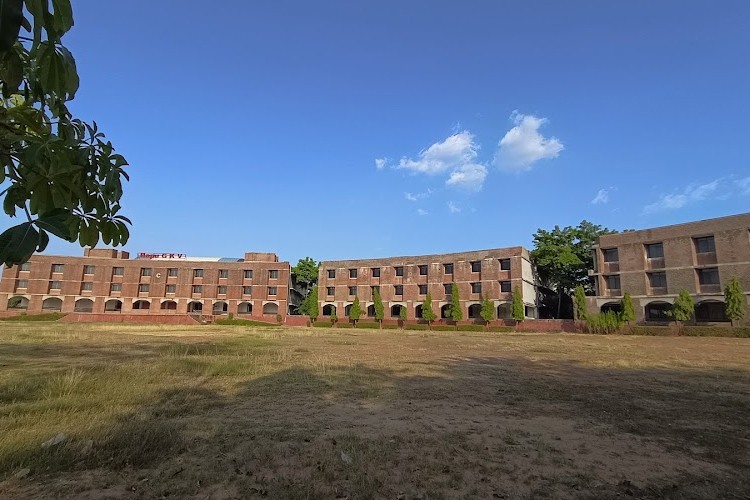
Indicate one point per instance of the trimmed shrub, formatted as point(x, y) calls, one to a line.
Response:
point(242, 322)
point(692, 331)
point(606, 322)
point(418, 326)
point(371, 326)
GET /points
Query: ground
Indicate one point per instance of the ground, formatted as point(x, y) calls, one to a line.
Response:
point(232, 412)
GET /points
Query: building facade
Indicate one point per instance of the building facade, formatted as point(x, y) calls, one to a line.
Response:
point(406, 281)
point(654, 265)
point(108, 281)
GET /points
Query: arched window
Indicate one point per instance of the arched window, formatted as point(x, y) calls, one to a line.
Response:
point(52, 304)
point(271, 308)
point(84, 305)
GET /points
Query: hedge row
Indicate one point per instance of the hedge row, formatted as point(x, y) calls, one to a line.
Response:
point(242, 322)
point(34, 317)
point(689, 331)
point(414, 327)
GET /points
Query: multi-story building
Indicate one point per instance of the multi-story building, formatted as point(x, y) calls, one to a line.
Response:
point(406, 281)
point(654, 265)
point(108, 281)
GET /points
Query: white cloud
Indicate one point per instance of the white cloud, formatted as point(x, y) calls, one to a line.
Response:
point(743, 185)
point(470, 177)
point(421, 211)
point(417, 196)
point(453, 208)
point(523, 145)
point(691, 194)
point(602, 197)
point(380, 163)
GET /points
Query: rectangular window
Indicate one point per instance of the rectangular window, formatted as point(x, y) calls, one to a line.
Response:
point(171, 288)
point(197, 273)
point(87, 286)
point(399, 289)
point(422, 289)
point(708, 276)
point(222, 290)
point(247, 290)
point(197, 289)
point(352, 290)
point(54, 285)
point(375, 272)
point(331, 273)
point(57, 268)
point(115, 287)
point(88, 269)
point(273, 274)
point(172, 272)
point(505, 287)
point(26, 266)
point(399, 270)
point(143, 288)
point(612, 281)
point(423, 270)
point(352, 273)
point(657, 280)
point(223, 273)
point(448, 288)
point(705, 244)
point(448, 268)
point(22, 284)
point(330, 290)
point(476, 266)
point(145, 271)
point(271, 290)
point(655, 251)
point(476, 288)
point(248, 274)
point(505, 264)
point(611, 255)
point(118, 271)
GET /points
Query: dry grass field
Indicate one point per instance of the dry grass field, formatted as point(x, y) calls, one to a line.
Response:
point(231, 412)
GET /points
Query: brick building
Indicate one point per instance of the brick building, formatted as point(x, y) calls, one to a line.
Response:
point(653, 265)
point(405, 282)
point(108, 281)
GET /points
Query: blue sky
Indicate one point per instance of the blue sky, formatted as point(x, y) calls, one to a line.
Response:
point(348, 129)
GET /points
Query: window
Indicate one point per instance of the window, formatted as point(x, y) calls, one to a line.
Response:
point(247, 290)
point(88, 269)
point(118, 271)
point(612, 282)
point(87, 286)
point(223, 273)
point(399, 270)
point(352, 273)
point(505, 264)
point(248, 274)
point(54, 285)
point(708, 276)
point(145, 271)
point(25, 266)
point(197, 273)
point(422, 289)
point(611, 255)
point(197, 289)
point(476, 288)
point(476, 266)
point(330, 290)
point(705, 244)
point(143, 288)
point(423, 270)
point(375, 272)
point(374, 289)
point(448, 268)
point(171, 288)
point(657, 280)
point(57, 268)
point(271, 290)
point(399, 289)
point(222, 290)
point(273, 274)
point(505, 287)
point(352, 290)
point(22, 284)
point(115, 287)
point(331, 273)
point(654, 251)
point(172, 272)
point(448, 288)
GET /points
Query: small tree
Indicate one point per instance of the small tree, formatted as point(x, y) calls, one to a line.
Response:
point(519, 312)
point(580, 300)
point(310, 304)
point(488, 311)
point(427, 313)
point(683, 308)
point(402, 314)
point(735, 301)
point(379, 309)
point(628, 311)
point(456, 314)
point(355, 312)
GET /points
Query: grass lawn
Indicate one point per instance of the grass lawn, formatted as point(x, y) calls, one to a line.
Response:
point(244, 412)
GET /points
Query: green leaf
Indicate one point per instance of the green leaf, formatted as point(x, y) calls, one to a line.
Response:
point(57, 222)
point(63, 18)
point(11, 70)
point(43, 241)
point(18, 243)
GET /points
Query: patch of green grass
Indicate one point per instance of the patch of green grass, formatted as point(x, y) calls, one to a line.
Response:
point(35, 317)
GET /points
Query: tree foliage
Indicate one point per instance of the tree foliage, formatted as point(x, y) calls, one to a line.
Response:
point(306, 272)
point(59, 173)
point(734, 300)
point(379, 309)
point(356, 311)
point(684, 307)
point(519, 311)
point(628, 310)
point(310, 304)
point(456, 313)
point(488, 310)
point(402, 313)
point(580, 300)
point(428, 314)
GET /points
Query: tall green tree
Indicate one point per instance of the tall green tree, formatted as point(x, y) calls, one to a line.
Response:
point(735, 301)
point(580, 301)
point(519, 310)
point(428, 314)
point(563, 257)
point(60, 174)
point(488, 311)
point(355, 312)
point(683, 307)
point(306, 272)
point(456, 313)
point(379, 309)
point(310, 304)
point(402, 313)
point(628, 310)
